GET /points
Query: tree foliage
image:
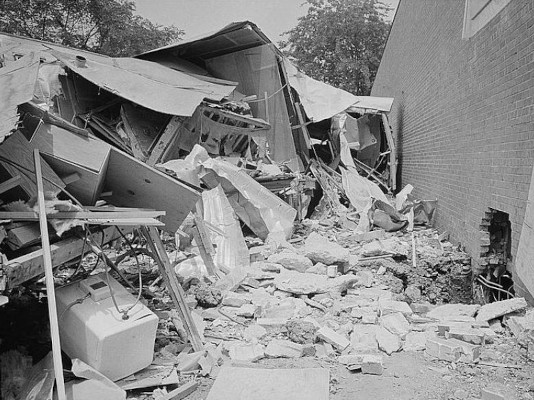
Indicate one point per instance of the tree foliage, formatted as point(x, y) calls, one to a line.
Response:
point(103, 26)
point(340, 42)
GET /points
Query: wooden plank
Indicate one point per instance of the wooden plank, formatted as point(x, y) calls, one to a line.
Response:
point(10, 184)
point(18, 150)
point(165, 140)
point(34, 216)
point(182, 392)
point(29, 266)
point(259, 123)
point(49, 118)
point(304, 128)
point(135, 184)
point(126, 222)
point(171, 281)
point(49, 280)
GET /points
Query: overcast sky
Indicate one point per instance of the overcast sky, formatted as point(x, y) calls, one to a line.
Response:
point(197, 17)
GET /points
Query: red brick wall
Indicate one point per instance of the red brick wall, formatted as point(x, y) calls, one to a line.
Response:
point(463, 111)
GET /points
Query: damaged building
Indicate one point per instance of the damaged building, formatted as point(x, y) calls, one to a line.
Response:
point(205, 206)
point(462, 116)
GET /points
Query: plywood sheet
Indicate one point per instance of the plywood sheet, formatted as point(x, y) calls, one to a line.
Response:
point(135, 184)
point(270, 384)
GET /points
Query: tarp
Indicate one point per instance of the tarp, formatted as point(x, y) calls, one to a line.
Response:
point(17, 83)
point(322, 101)
point(148, 84)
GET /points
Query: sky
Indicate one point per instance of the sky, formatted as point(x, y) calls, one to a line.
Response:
point(197, 17)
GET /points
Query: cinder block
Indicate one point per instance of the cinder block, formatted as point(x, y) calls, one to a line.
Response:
point(470, 352)
point(474, 336)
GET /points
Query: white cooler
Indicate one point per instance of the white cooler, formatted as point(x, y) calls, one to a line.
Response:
point(96, 333)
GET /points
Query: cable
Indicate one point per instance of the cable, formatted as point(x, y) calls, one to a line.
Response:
point(489, 285)
point(77, 301)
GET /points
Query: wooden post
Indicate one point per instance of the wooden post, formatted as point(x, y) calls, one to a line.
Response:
point(49, 279)
point(175, 290)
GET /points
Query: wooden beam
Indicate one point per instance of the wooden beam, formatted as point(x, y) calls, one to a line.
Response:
point(29, 266)
point(164, 140)
point(49, 279)
point(173, 286)
point(129, 129)
point(10, 184)
point(95, 215)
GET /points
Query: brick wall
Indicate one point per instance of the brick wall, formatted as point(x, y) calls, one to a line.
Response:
point(463, 111)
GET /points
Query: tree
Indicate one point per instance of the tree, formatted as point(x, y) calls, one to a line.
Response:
point(102, 26)
point(340, 42)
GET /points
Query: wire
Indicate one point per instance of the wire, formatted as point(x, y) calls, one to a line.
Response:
point(268, 97)
point(77, 301)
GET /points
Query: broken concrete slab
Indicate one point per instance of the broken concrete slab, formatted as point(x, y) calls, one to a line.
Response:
point(304, 283)
point(328, 335)
point(392, 306)
point(500, 308)
point(262, 384)
point(350, 359)
point(521, 327)
point(319, 249)
point(319, 269)
point(278, 348)
point(396, 323)
point(233, 299)
point(474, 336)
point(291, 261)
point(453, 312)
point(272, 323)
point(387, 341)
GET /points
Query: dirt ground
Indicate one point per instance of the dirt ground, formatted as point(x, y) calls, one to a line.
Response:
point(407, 376)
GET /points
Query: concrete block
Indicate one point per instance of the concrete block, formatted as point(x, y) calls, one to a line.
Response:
point(283, 349)
point(492, 394)
point(372, 364)
point(443, 349)
point(360, 312)
point(328, 335)
point(254, 332)
point(421, 308)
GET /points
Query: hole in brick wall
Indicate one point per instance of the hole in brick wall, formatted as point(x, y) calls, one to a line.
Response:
point(495, 255)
